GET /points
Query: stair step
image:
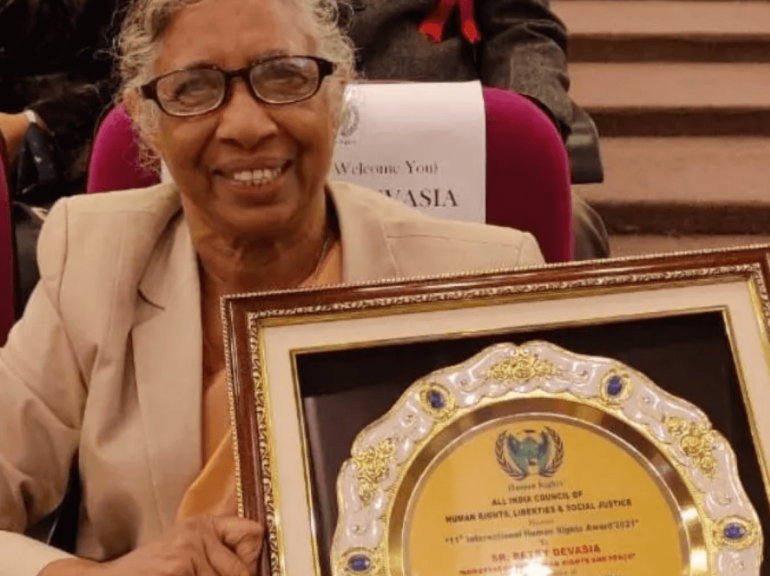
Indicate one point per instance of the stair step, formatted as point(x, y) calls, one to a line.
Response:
point(597, 48)
point(641, 48)
point(684, 185)
point(654, 85)
point(666, 31)
point(696, 99)
point(654, 18)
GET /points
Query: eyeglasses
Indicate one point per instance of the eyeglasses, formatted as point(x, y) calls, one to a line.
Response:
point(275, 80)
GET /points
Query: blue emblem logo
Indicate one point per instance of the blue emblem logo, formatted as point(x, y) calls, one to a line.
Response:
point(530, 453)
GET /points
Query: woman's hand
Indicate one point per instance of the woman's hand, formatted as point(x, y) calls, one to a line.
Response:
point(200, 546)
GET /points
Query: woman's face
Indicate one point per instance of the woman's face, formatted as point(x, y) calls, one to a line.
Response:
point(209, 155)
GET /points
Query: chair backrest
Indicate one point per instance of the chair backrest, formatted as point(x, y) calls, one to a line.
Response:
point(7, 262)
point(115, 159)
point(527, 176)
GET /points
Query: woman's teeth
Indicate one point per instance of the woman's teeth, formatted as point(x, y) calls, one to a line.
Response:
point(256, 176)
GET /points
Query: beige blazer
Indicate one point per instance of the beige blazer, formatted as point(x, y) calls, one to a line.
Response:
point(107, 358)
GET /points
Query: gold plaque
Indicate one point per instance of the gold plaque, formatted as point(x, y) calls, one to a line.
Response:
point(532, 461)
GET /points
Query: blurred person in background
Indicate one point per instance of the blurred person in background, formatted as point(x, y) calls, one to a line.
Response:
point(517, 45)
point(55, 83)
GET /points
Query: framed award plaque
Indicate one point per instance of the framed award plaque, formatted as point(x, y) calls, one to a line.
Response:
point(602, 419)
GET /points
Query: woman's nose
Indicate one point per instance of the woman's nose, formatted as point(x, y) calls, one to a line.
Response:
point(244, 120)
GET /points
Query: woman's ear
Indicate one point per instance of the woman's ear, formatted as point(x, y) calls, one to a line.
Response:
point(130, 99)
point(134, 104)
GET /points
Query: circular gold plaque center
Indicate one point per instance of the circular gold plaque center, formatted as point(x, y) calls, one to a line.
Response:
point(542, 495)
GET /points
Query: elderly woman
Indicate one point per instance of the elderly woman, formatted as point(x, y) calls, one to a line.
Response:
point(119, 356)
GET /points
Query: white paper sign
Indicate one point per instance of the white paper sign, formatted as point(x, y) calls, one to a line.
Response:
point(421, 143)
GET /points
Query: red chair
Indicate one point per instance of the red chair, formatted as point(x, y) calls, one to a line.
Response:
point(7, 261)
point(115, 160)
point(528, 174)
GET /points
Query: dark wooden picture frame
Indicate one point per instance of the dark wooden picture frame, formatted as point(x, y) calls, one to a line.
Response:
point(662, 314)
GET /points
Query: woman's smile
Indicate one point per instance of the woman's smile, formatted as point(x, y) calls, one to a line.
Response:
point(260, 181)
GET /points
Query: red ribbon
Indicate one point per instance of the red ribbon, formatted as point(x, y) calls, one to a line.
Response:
point(433, 25)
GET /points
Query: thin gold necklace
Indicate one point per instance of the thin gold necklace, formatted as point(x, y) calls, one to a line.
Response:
point(324, 250)
point(310, 279)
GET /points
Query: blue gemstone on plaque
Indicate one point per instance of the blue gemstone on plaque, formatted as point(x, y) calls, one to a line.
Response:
point(436, 400)
point(615, 386)
point(734, 531)
point(359, 563)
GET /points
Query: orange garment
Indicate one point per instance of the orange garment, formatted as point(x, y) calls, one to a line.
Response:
point(214, 489)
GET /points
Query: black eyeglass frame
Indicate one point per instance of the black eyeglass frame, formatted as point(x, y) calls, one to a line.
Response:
point(325, 69)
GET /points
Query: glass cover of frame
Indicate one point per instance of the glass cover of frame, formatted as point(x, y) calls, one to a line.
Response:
point(690, 356)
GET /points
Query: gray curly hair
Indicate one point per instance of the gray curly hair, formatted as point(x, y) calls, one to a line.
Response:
point(147, 21)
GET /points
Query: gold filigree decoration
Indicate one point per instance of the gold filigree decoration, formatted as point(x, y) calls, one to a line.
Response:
point(696, 441)
point(436, 401)
point(265, 462)
point(357, 558)
point(735, 533)
point(372, 466)
point(625, 279)
point(522, 366)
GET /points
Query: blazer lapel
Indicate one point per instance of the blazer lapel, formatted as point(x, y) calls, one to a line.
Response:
point(167, 339)
point(168, 366)
point(366, 256)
